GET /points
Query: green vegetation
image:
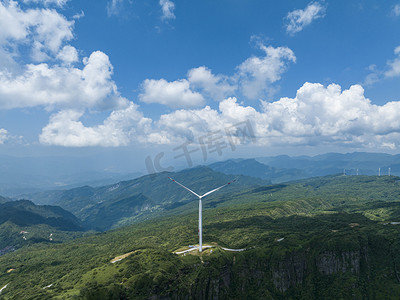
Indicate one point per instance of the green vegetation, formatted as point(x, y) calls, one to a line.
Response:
point(23, 223)
point(136, 200)
point(321, 238)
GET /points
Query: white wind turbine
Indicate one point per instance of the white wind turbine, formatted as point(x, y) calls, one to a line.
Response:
point(200, 207)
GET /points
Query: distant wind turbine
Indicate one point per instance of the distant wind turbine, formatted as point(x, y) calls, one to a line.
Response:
point(200, 207)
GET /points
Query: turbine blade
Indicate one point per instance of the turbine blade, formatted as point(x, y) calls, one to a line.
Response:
point(214, 190)
point(184, 187)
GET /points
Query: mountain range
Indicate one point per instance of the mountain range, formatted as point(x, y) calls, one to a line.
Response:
point(114, 205)
point(285, 168)
point(332, 237)
point(102, 208)
point(279, 232)
point(23, 175)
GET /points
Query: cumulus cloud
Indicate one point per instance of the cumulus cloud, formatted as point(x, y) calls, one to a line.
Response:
point(44, 30)
point(173, 94)
point(216, 86)
point(59, 85)
point(3, 135)
point(119, 129)
point(258, 73)
point(68, 55)
point(300, 18)
point(254, 78)
point(317, 115)
point(65, 87)
point(167, 7)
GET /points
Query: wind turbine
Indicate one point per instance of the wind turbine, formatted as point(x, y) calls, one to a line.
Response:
point(200, 207)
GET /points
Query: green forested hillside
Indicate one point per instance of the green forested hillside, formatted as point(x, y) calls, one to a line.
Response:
point(322, 238)
point(23, 223)
point(145, 197)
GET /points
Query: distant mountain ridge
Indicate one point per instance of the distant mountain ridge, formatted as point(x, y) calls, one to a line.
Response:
point(254, 168)
point(284, 168)
point(334, 163)
point(110, 206)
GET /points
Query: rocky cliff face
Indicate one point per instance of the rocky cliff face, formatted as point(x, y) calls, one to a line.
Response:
point(365, 269)
point(330, 262)
point(292, 270)
point(289, 272)
point(272, 276)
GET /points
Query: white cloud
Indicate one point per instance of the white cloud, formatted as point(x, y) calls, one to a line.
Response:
point(167, 8)
point(119, 129)
point(300, 18)
point(216, 86)
point(392, 69)
point(68, 55)
point(3, 135)
point(317, 115)
point(190, 124)
point(78, 15)
point(258, 73)
point(12, 22)
point(396, 10)
point(44, 30)
point(254, 78)
point(394, 65)
point(59, 3)
point(65, 87)
point(114, 7)
point(173, 94)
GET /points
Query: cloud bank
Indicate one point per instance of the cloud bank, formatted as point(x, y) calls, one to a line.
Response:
point(318, 115)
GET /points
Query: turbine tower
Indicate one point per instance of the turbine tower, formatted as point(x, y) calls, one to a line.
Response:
point(200, 207)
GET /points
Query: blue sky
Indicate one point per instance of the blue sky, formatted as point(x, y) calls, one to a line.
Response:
point(125, 76)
